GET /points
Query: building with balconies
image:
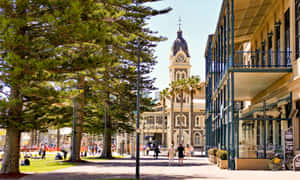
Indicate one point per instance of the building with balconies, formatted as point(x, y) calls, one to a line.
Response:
point(252, 81)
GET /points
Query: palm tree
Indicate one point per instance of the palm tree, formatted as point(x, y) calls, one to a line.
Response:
point(180, 89)
point(171, 94)
point(163, 95)
point(193, 83)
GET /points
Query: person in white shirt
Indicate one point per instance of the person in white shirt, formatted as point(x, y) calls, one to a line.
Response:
point(171, 153)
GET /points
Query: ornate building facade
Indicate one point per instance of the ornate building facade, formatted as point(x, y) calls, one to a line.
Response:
point(167, 130)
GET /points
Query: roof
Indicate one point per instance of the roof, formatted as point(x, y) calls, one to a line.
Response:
point(180, 44)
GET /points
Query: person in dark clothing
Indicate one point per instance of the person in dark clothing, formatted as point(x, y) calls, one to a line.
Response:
point(58, 157)
point(156, 152)
point(180, 151)
point(44, 154)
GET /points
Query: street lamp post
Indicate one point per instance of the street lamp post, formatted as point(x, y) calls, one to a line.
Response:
point(137, 172)
point(138, 115)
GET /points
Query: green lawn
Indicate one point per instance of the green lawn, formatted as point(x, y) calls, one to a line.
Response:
point(40, 166)
point(44, 165)
point(49, 164)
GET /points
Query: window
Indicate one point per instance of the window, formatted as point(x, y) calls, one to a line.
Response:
point(270, 54)
point(297, 28)
point(199, 121)
point(263, 54)
point(180, 75)
point(177, 76)
point(197, 139)
point(287, 37)
point(181, 121)
point(277, 43)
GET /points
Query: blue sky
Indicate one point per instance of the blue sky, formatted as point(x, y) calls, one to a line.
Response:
point(199, 18)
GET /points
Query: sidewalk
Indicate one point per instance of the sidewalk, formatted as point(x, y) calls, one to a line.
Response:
point(193, 169)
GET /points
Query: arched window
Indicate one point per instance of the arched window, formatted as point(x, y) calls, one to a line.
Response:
point(197, 139)
point(180, 121)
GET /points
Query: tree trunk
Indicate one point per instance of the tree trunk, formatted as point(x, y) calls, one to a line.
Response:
point(57, 139)
point(38, 138)
point(163, 123)
point(108, 131)
point(172, 120)
point(191, 118)
point(10, 164)
point(80, 102)
point(181, 118)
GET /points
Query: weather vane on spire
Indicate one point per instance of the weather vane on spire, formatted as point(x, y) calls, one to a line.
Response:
point(180, 23)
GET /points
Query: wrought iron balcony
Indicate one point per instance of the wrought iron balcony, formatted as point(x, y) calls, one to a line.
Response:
point(262, 59)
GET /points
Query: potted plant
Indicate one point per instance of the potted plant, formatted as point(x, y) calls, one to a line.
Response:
point(222, 159)
point(275, 164)
point(212, 155)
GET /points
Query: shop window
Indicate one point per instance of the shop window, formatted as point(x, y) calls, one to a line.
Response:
point(297, 28)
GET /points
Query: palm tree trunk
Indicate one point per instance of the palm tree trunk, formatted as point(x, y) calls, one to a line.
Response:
point(163, 123)
point(172, 120)
point(181, 117)
point(191, 118)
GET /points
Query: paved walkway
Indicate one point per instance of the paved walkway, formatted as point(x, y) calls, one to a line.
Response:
point(193, 169)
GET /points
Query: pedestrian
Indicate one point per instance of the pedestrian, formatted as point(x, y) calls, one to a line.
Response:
point(147, 150)
point(192, 150)
point(188, 151)
point(44, 153)
point(180, 151)
point(171, 153)
point(156, 151)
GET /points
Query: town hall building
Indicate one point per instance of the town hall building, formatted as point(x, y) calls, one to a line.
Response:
point(166, 130)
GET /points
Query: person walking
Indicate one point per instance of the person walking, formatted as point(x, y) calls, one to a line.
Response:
point(147, 150)
point(188, 151)
point(156, 151)
point(44, 153)
point(180, 151)
point(171, 153)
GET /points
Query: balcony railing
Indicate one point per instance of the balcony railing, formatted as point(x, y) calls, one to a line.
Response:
point(262, 59)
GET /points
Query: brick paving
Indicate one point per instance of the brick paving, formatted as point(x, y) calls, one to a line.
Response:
point(193, 169)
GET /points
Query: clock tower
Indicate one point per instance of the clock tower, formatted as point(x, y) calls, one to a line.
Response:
point(179, 67)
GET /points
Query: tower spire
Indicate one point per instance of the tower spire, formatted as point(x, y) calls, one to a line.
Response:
point(180, 23)
point(179, 32)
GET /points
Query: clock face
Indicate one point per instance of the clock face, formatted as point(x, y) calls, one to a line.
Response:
point(180, 58)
